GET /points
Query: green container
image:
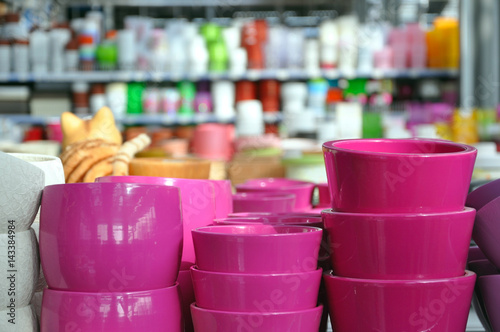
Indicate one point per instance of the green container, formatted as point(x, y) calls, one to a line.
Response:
point(107, 55)
point(187, 91)
point(372, 125)
point(134, 98)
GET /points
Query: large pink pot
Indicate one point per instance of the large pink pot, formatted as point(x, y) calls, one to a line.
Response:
point(152, 311)
point(224, 201)
point(302, 190)
point(437, 305)
point(398, 175)
point(109, 237)
point(198, 205)
point(399, 246)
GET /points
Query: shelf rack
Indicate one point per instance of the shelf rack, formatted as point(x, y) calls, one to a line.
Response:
point(252, 75)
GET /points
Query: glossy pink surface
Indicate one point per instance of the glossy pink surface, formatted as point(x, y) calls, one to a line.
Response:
point(486, 231)
point(198, 204)
point(187, 297)
point(224, 200)
point(361, 305)
point(325, 200)
point(398, 175)
point(240, 292)
point(263, 202)
point(225, 321)
point(110, 237)
point(257, 248)
point(399, 246)
point(490, 289)
point(298, 219)
point(152, 311)
point(483, 195)
point(302, 190)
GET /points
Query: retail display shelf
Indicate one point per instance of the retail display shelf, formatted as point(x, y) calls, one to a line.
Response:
point(144, 119)
point(253, 75)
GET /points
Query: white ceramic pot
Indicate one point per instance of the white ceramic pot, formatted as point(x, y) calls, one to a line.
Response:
point(19, 268)
point(36, 304)
point(21, 185)
point(25, 320)
point(50, 165)
point(41, 283)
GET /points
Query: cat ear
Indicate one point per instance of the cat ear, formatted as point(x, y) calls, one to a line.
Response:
point(70, 123)
point(104, 115)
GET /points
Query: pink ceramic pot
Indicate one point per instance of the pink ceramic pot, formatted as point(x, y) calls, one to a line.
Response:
point(325, 201)
point(239, 292)
point(398, 176)
point(187, 297)
point(295, 321)
point(489, 287)
point(224, 202)
point(257, 248)
point(487, 231)
point(198, 205)
point(153, 311)
point(110, 237)
point(263, 202)
point(475, 254)
point(438, 305)
point(302, 190)
point(483, 195)
point(399, 246)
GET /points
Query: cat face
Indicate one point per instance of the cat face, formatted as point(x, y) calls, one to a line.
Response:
point(102, 125)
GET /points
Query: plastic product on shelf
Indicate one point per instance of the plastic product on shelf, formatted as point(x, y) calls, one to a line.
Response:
point(5, 55)
point(39, 51)
point(223, 97)
point(250, 120)
point(126, 49)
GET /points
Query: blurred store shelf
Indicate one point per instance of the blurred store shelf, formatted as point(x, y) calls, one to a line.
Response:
point(253, 75)
point(143, 119)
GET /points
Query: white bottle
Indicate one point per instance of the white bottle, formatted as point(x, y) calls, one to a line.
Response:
point(127, 51)
point(198, 56)
point(5, 56)
point(223, 98)
point(39, 51)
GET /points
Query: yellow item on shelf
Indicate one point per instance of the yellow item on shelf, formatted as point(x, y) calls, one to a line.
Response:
point(465, 127)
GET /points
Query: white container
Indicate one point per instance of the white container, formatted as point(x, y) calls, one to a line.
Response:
point(39, 51)
point(5, 58)
point(294, 92)
point(116, 98)
point(25, 320)
point(58, 40)
point(71, 60)
point(198, 56)
point(238, 61)
point(20, 57)
point(223, 98)
point(311, 56)
point(18, 286)
point(250, 118)
point(127, 52)
point(232, 37)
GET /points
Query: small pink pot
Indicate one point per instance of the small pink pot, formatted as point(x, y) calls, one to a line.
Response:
point(263, 202)
point(398, 175)
point(257, 248)
point(302, 190)
point(187, 297)
point(153, 311)
point(198, 204)
point(325, 201)
point(295, 321)
point(399, 246)
point(256, 292)
point(110, 237)
point(438, 305)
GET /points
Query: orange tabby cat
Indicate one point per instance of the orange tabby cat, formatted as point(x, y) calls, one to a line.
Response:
point(102, 126)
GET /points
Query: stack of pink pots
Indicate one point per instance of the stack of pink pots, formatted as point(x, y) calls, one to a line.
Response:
point(111, 254)
point(399, 235)
point(256, 278)
point(199, 208)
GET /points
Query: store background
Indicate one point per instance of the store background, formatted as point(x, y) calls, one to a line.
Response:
point(255, 86)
